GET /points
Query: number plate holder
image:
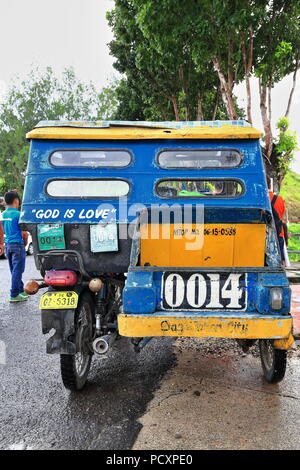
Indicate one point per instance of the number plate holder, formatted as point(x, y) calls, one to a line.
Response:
point(59, 300)
point(185, 291)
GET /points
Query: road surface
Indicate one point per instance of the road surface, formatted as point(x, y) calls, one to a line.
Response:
point(184, 394)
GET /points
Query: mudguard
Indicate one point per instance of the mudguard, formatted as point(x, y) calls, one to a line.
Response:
point(63, 322)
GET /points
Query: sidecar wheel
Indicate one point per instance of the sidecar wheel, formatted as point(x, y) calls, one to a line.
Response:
point(273, 361)
point(75, 368)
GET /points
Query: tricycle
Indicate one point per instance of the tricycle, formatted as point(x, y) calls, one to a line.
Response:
point(152, 229)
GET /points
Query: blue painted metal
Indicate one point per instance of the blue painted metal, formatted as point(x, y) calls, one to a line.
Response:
point(142, 175)
point(142, 293)
point(265, 282)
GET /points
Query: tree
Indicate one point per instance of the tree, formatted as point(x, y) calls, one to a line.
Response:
point(277, 47)
point(284, 147)
point(108, 101)
point(191, 55)
point(42, 96)
point(156, 57)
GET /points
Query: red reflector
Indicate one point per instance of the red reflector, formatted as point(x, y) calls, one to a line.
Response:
point(60, 278)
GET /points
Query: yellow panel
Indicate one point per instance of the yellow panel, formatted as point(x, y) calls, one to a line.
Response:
point(218, 248)
point(250, 244)
point(226, 131)
point(140, 326)
point(284, 343)
point(217, 245)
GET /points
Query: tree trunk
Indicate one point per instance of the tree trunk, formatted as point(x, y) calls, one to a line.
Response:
point(230, 67)
point(226, 91)
point(185, 91)
point(200, 116)
point(175, 107)
point(249, 100)
point(216, 106)
point(293, 89)
point(270, 102)
point(224, 97)
point(265, 118)
point(247, 69)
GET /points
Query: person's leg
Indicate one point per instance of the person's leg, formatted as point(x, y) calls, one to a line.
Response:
point(281, 246)
point(17, 270)
point(22, 269)
point(9, 257)
point(9, 253)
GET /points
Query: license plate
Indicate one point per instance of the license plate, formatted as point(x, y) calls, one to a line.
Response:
point(204, 291)
point(51, 237)
point(104, 238)
point(59, 300)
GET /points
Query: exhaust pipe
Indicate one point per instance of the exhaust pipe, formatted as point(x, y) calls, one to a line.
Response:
point(101, 345)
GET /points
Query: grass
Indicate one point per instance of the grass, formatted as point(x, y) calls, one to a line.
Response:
point(294, 243)
point(290, 191)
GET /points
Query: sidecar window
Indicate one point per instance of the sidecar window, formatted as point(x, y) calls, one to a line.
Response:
point(87, 188)
point(197, 159)
point(91, 158)
point(199, 188)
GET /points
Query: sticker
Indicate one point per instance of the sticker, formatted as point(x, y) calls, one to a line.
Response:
point(104, 238)
point(51, 237)
point(223, 231)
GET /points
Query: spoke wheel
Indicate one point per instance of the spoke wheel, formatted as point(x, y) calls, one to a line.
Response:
point(273, 361)
point(75, 368)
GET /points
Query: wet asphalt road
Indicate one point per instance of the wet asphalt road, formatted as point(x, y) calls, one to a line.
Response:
point(36, 412)
point(190, 394)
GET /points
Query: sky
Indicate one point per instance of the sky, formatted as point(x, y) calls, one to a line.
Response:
point(63, 33)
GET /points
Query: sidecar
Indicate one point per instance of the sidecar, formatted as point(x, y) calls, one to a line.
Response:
point(154, 229)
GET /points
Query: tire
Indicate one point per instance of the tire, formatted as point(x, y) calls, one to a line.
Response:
point(273, 361)
point(30, 250)
point(75, 368)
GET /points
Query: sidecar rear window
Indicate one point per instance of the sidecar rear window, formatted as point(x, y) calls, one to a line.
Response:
point(198, 159)
point(199, 188)
point(91, 158)
point(87, 188)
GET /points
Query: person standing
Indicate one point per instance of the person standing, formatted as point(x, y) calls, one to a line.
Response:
point(15, 241)
point(1, 237)
point(278, 209)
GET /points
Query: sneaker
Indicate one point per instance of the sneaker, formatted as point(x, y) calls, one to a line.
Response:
point(23, 294)
point(19, 298)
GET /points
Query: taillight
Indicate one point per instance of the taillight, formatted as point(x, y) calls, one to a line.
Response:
point(60, 278)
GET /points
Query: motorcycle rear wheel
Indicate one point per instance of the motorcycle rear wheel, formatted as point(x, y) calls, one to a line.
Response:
point(75, 368)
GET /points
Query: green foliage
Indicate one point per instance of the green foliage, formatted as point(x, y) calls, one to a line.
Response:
point(294, 242)
point(154, 50)
point(277, 40)
point(285, 146)
point(165, 50)
point(42, 96)
point(283, 124)
point(291, 194)
point(108, 101)
point(278, 64)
